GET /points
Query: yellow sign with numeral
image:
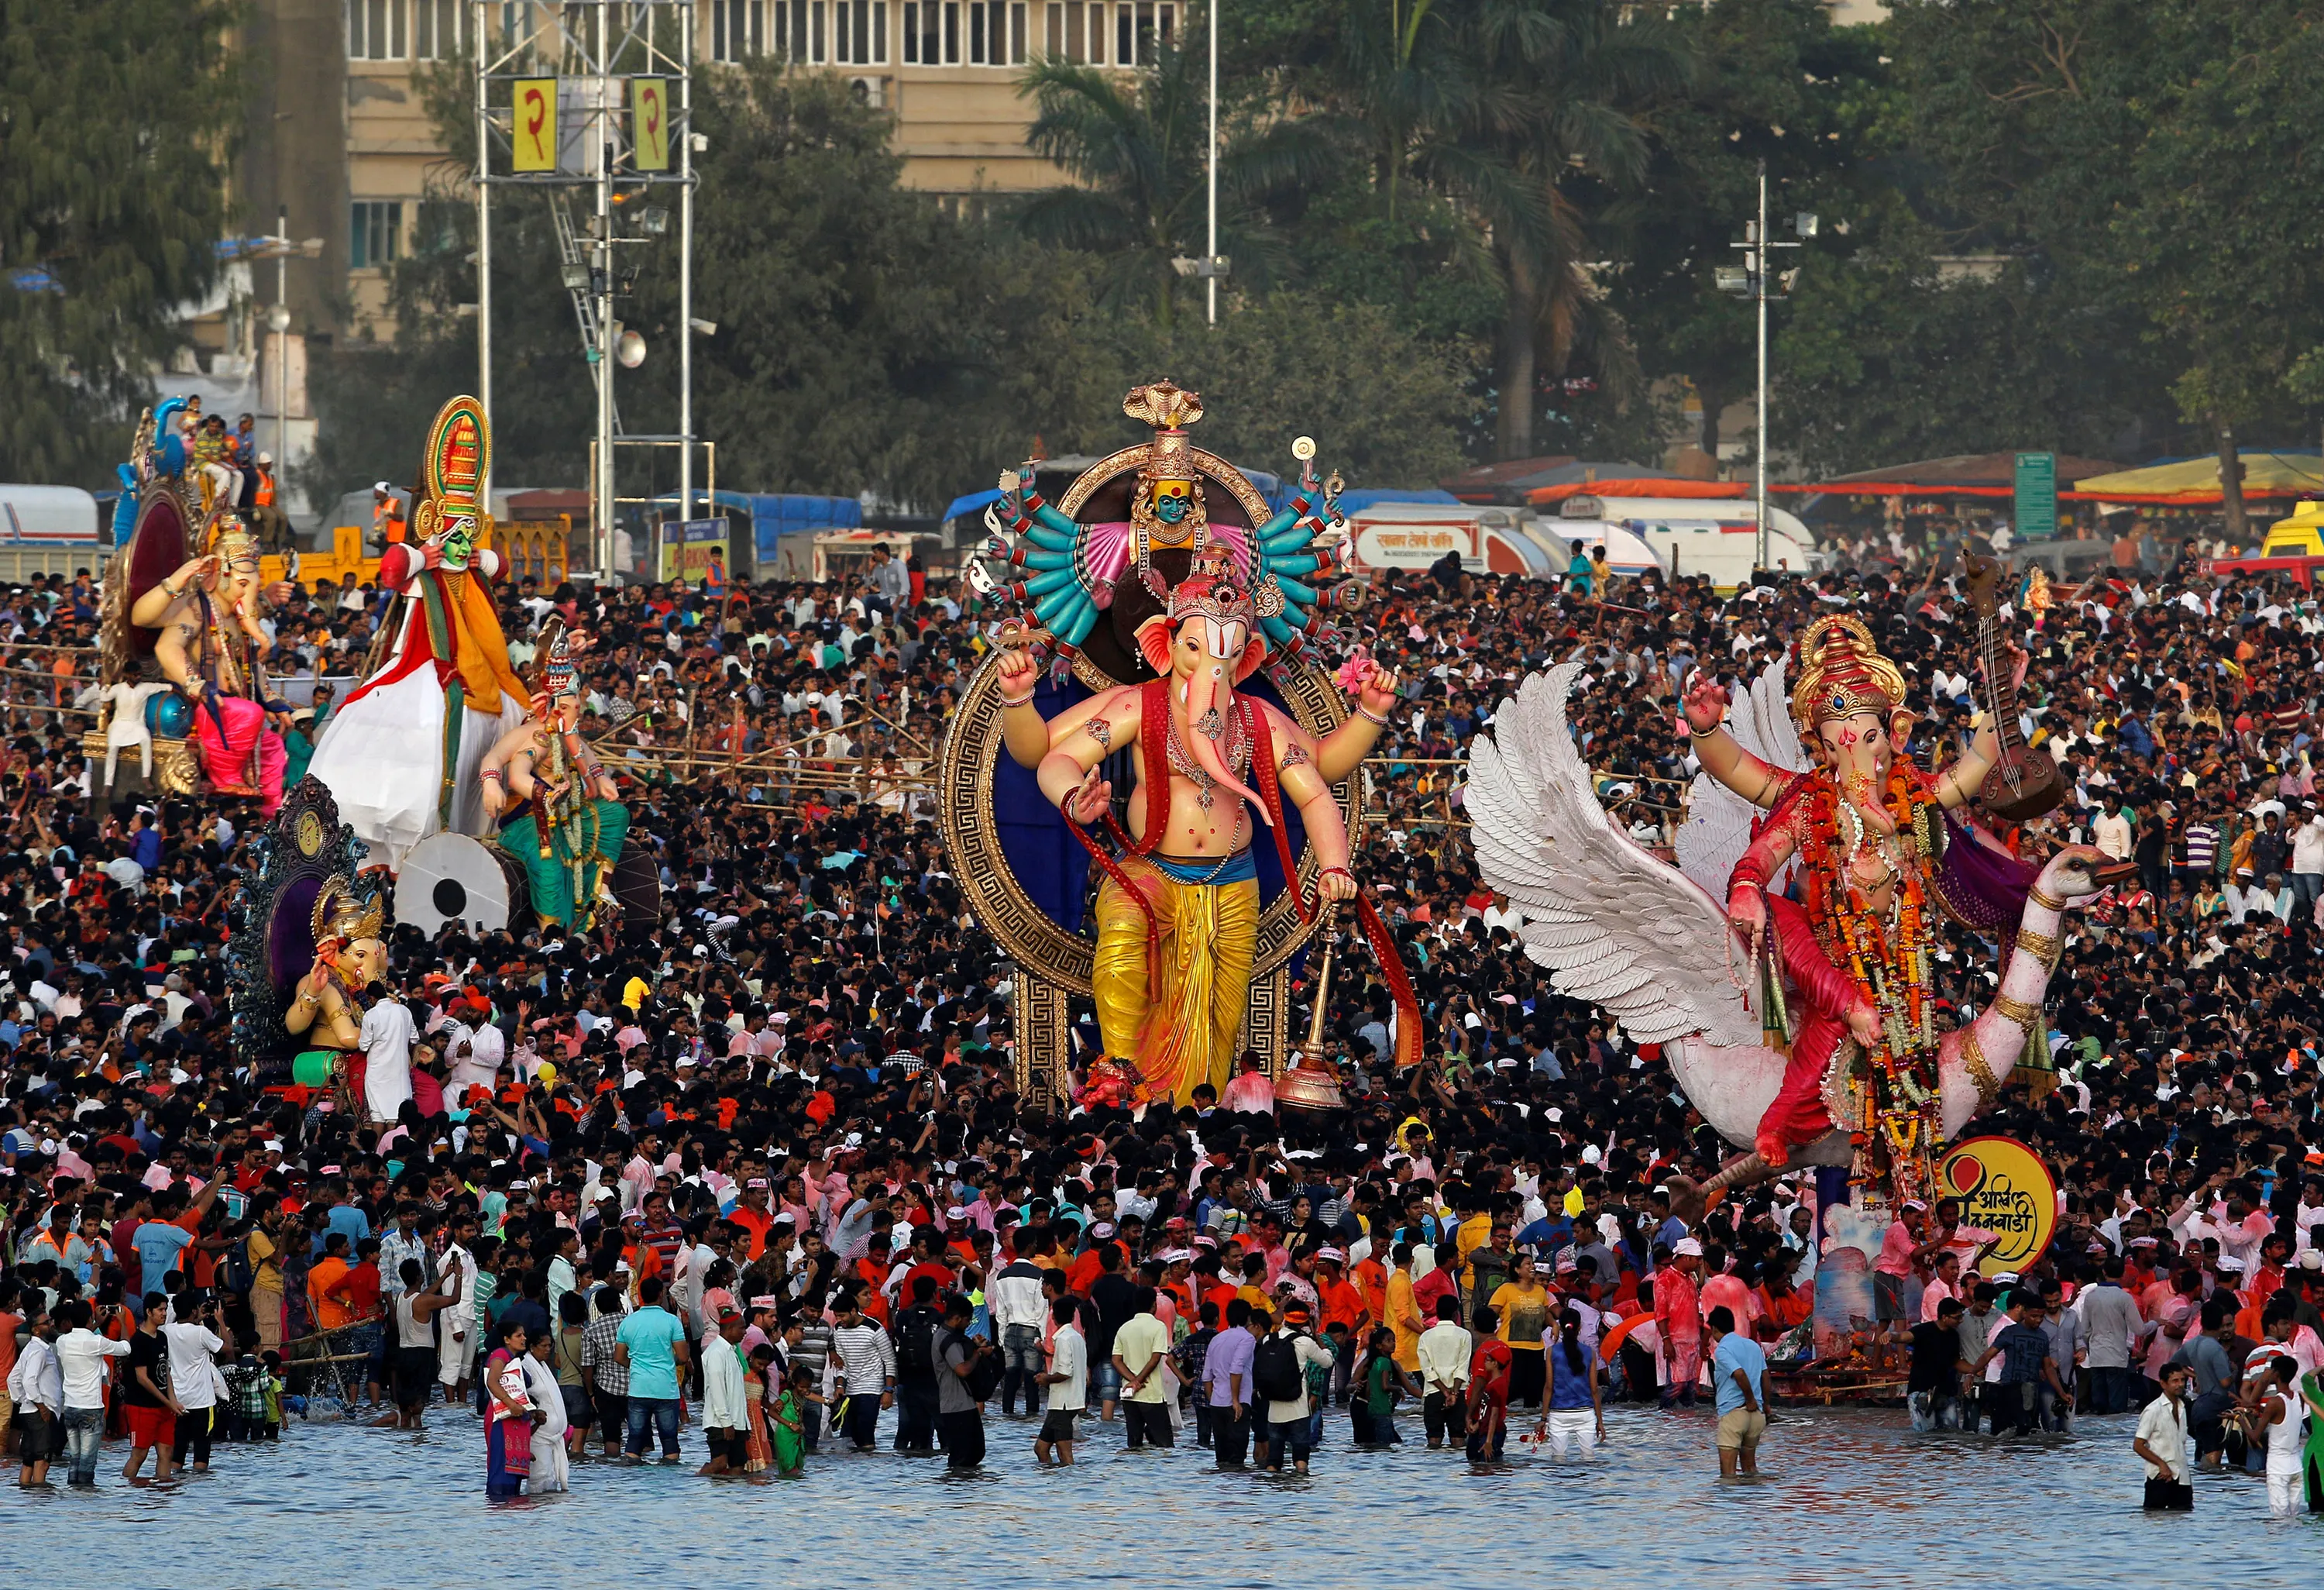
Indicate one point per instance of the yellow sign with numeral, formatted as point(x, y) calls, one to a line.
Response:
point(532, 130)
point(649, 124)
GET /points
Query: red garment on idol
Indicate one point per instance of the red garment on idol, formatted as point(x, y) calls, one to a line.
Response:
point(227, 757)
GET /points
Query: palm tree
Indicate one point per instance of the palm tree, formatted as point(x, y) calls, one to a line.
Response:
point(1505, 107)
point(1134, 144)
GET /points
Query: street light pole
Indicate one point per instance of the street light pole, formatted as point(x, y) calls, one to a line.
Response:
point(1211, 175)
point(481, 21)
point(1759, 281)
point(1751, 281)
point(604, 285)
point(278, 321)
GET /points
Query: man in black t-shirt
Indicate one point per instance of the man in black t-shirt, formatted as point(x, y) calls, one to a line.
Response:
point(1114, 1297)
point(149, 1398)
point(1933, 1391)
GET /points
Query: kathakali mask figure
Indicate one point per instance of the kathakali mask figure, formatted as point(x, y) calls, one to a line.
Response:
point(403, 752)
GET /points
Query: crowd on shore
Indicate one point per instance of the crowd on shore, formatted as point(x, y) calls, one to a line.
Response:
point(768, 1169)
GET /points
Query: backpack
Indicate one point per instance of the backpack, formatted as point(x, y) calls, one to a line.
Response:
point(984, 1376)
point(1275, 1370)
point(235, 1271)
point(916, 1351)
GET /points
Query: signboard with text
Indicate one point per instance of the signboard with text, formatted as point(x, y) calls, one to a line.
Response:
point(2036, 518)
point(649, 122)
point(1393, 544)
point(695, 550)
point(532, 130)
point(2005, 1188)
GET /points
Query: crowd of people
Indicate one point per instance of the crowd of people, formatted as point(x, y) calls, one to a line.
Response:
point(768, 1167)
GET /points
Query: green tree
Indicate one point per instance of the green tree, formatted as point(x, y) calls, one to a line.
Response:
point(1135, 146)
point(1776, 82)
point(117, 125)
point(1883, 359)
point(1385, 407)
point(1516, 112)
point(2220, 249)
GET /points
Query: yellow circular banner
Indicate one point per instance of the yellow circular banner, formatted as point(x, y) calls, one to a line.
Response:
point(2003, 1188)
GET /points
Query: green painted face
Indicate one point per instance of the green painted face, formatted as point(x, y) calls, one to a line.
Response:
point(459, 542)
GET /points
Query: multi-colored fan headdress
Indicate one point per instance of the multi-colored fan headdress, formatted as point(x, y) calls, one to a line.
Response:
point(1062, 572)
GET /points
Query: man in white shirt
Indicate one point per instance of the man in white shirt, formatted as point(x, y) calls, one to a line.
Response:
point(36, 1389)
point(1067, 1380)
point(2161, 1445)
point(80, 1354)
point(456, 1333)
point(466, 1064)
point(1445, 1374)
point(193, 1347)
point(1290, 1420)
point(2308, 857)
point(386, 1037)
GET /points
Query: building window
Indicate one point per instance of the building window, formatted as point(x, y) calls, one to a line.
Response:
point(737, 29)
point(1140, 30)
point(436, 29)
point(932, 32)
point(799, 31)
point(376, 30)
point(1077, 31)
point(860, 32)
point(996, 33)
point(1096, 33)
point(375, 235)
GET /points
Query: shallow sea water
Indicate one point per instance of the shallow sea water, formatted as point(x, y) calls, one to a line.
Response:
point(1849, 1497)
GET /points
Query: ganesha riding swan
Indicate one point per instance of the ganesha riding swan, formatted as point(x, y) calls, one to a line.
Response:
point(1816, 1044)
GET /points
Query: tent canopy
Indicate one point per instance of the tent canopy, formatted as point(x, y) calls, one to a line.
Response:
point(2194, 481)
point(1964, 469)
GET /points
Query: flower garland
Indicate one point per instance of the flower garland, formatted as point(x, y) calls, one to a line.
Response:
point(1885, 951)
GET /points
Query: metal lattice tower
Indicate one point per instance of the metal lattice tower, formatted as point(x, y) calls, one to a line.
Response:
point(595, 73)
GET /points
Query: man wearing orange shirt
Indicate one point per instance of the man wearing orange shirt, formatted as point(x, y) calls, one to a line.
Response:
point(1403, 1311)
point(327, 1293)
point(1369, 1277)
point(929, 1256)
point(1343, 1302)
point(752, 1213)
point(1782, 1306)
point(871, 1269)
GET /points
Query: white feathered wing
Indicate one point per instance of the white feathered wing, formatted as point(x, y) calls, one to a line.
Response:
point(1717, 827)
point(1615, 926)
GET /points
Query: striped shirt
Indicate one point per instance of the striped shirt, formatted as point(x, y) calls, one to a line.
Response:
point(2202, 847)
point(867, 1357)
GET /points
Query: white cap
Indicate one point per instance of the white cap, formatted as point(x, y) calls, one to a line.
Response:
point(1686, 1247)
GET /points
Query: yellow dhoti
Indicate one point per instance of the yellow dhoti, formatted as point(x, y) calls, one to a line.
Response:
point(1188, 1030)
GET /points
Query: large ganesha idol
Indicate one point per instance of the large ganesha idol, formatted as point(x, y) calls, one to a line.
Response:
point(1172, 614)
point(1842, 1064)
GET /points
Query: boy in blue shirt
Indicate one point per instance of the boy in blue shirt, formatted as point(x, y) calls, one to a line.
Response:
point(1739, 1372)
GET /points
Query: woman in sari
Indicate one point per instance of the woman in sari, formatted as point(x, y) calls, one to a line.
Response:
point(548, 1399)
point(507, 1414)
point(760, 1386)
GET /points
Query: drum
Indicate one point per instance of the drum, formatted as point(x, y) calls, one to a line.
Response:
point(453, 878)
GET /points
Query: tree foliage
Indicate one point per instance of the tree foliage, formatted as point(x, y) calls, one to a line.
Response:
point(116, 128)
